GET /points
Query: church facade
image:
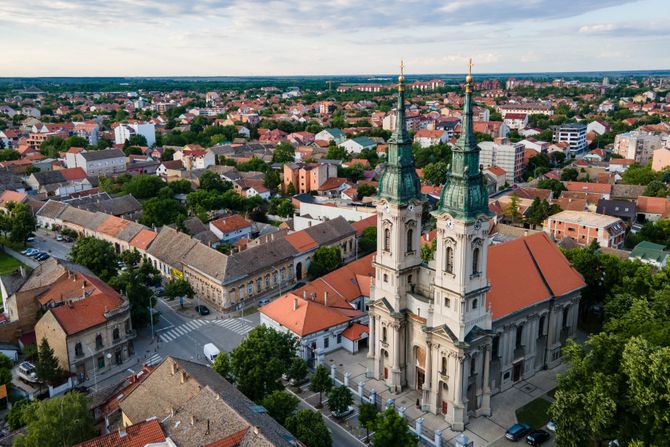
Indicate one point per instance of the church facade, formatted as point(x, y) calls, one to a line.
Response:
point(477, 318)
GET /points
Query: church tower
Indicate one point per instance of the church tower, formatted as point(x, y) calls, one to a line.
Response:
point(399, 210)
point(463, 221)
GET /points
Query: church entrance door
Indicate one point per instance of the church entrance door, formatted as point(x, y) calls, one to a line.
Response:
point(472, 398)
point(517, 370)
point(386, 373)
point(420, 378)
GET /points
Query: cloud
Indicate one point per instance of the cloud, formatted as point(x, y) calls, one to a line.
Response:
point(627, 29)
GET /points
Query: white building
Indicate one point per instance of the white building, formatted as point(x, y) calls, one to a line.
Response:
point(574, 134)
point(427, 138)
point(505, 155)
point(123, 132)
point(97, 163)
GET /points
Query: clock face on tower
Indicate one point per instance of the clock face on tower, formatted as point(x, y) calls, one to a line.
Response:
point(386, 207)
point(478, 224)
point(410, 208)
point(450, 224)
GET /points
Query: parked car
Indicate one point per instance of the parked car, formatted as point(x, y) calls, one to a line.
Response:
point(517, 432)
point(211, 351)
point(27, 372)
point(202, 310)
point(551, 426)
point(42, 257)
point(264, 301)
point(537, 437)
point(59, 238)
point(30, 251)
point(30, 238)
point(343, 414)
point(35, 254)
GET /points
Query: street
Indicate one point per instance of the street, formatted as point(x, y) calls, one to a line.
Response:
point(45, 241)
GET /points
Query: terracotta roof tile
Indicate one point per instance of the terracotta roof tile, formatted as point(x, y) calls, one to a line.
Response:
point(231, 223)
point(355, 331)
point(301, 241)
point(136, 435)
point(142, 239)
point(308, 317)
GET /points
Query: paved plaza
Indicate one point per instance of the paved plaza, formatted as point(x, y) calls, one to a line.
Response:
point(482, 431)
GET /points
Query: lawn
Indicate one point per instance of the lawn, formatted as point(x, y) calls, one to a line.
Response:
point(534, 413)
point(8, 264)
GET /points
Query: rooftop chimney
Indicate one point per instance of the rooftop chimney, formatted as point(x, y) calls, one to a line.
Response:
point(304, 294)
point(173, 368)
point(295, 303)
point(122, 433)
point(182, 379)
point(192, 420)
point(325, 299)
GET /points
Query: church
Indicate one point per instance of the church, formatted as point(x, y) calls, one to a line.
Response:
point(477, 318)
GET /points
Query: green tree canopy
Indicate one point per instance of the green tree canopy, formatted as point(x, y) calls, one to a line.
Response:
point(158, 211)
point(367, 415)
point(339, 399)
point(321, 382)
point(640, 175)
point(62, 421)
point(435, 173)
point(210, 181)
point(280, 405)
point(143, 186)
point(325, 260)
point(47, 368)
point(368, 241)
point(336, 152)
point(392, 431)
point(554, 185)
point(569, 174)
point(283, 153)
point(365, 190)
point(281, 207)
point(298, 370)
point(309, 428)
point(97, 255)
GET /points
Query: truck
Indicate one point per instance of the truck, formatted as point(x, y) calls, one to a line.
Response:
point(211, 351)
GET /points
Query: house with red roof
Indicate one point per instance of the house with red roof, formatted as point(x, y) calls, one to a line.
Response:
point(230, 229)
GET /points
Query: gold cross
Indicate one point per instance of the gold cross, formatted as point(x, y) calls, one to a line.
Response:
point(470, 64)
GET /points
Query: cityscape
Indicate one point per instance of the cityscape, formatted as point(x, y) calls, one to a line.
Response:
point(218, 228)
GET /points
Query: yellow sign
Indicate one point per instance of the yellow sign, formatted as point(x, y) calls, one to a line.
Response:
point(177, 273)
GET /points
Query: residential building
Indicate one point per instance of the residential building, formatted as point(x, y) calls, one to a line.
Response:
point(230, 229)
point(97, 163)
point(427, 138)
point(623, 209)
point(87, 324)
point(650, 253)
point(331, 134)
point(505, 155)
point(460, 329)
point(122, 132)
point(196, 406)
point(660, 159)
point(195, 158)
point(356, 145)
point(585, 227)
point(144, 433)
point(574, 134)
point(516, 120)
point(60, 183)
point(637, 145)
point(598, 127)
point(604, 190)
point(499, 175)
point(651, 209)
point(526, 108)
point(306, 177)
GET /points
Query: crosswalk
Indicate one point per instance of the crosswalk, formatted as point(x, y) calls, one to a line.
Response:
point(180, 330)
point(232, 324)
point(235, 325)
point(154, 360)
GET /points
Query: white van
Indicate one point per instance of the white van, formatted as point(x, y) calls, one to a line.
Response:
point(26, 372)
point(211, 351)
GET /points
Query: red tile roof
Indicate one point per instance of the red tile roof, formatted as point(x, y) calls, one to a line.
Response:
point(142, 239)
point(598, 188)
point(355, 331)
point(301, 241)
point(537, 260)
point(496, 170)
point(231, 223)
point(309, 316)
point(364, 223)
point(73, 174)
point(136, 435)
point(332, 183)
point(653, 205)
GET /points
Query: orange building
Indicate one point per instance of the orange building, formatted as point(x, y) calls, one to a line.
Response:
point(306, 177)
point(585, 227)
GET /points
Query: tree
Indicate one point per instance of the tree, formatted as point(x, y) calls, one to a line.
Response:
point(569, 174)
point(321, 382)
point(281, 207)
point(97, 255)
point(222, 366)
point(182, 186)
point(21, 222)
point(435, 173)
point(640, 175)
point(210, 181)
point(9, 154)
point(427, 252)
point(272, 179)
point(61, 421)
point(365, 190)
point(325, 260)
point(537, 165)
point(132, 150)
point(178, 288)
point(290, 189)
point(16, 416)
point(336, 152)
point(392, 431)
point(143, 186)
point(513, 208)
point(368, 241)
point(283, 153)
point(258, 363)
point(539, 210)
point(339, 399)
point(656, 188)
point(135, 140)
point(159, 211)
point(47, 368)
point(554, 185)
point(280, 405)
point(298, 370)
point(167, 155)
point(367, 414)
point(309, 428)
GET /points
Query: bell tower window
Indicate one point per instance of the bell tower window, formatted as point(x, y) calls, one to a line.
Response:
point(410, 236)
point(475, 261)
point(450, 260)
point(387, 239)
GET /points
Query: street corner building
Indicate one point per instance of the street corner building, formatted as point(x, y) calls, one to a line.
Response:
point(477, 318)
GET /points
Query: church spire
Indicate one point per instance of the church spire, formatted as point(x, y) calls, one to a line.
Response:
point(465, 195)
point(399, 183)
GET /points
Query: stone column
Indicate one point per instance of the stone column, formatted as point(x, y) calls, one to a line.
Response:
point(438, 438)
point(360, 391)
point(460, 412)
point(418, 427)
point(485, 408)
point(346, 378)
point(333, 368)
point(396, 373)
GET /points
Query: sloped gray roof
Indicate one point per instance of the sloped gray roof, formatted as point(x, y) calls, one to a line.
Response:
point(105, 154)
point(207, 260)
point(330, 230)
point(52, 209)
point(258, 258)
point(170, 246)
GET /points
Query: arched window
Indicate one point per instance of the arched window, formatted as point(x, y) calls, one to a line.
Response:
point(115, 333)
point(473, 367)
point(444, 366)
point(98, 341)
point(387, 239)
point(566, 311)
point(410, 236)
point(384, 334)
point(78, 350)
point(258, 285)
point(250, 288)
point(450, 260)
point(475, 261)
point(267, 280)
point(474, 303)
point(540, 328)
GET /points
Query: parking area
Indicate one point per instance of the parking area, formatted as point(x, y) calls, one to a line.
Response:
point(46, 241)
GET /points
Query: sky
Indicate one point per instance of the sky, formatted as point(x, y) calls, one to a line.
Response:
point(321, 37)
